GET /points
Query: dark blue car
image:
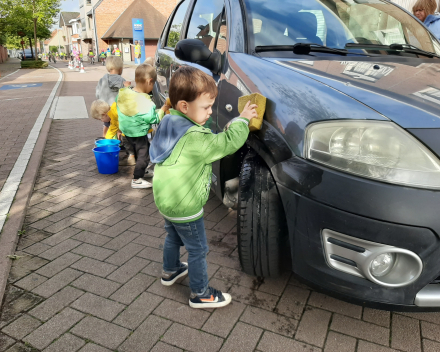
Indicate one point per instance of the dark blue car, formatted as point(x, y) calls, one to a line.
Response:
point(342, 183)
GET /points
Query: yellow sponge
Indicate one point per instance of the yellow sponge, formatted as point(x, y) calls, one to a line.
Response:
point(255, 98)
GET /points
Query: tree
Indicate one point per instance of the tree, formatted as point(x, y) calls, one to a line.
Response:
point(53, 48)
point(32, 17)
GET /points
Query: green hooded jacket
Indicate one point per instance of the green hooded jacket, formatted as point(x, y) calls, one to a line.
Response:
point(136, 112)
point(183, 152)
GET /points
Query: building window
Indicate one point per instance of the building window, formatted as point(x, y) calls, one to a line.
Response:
point(89, 2)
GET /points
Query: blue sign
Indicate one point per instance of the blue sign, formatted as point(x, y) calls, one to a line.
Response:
point(19, 86)
point(138, 35)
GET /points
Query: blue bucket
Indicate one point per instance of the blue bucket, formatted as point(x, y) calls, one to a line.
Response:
point(107, 159)
point(107, 142)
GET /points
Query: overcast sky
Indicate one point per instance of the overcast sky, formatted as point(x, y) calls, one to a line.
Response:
point(68, 6)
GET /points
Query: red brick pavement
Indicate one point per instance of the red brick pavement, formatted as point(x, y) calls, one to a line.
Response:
point(91, 258)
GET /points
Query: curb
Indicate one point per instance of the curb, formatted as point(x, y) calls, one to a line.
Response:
point(9, 233)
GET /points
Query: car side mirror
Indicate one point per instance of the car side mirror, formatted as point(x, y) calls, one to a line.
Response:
point(195, 51)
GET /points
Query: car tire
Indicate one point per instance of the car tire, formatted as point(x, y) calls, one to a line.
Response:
point(262, 230)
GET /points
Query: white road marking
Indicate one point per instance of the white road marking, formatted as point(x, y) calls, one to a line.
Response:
point(10, 187)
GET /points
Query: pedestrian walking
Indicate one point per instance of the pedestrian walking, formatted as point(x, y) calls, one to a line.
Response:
point(424, 10)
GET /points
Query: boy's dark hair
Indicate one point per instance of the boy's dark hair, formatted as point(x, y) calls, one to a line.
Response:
point(143, 72)
point(188, 83)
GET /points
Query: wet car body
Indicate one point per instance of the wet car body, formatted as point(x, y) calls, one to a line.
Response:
point(302, 90)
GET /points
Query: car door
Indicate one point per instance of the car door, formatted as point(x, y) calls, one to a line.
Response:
point(165, 52)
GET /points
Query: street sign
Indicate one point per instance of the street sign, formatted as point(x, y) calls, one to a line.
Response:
point(20, 86)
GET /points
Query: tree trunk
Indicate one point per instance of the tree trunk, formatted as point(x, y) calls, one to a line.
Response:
point(30, 44)
point(35, 38)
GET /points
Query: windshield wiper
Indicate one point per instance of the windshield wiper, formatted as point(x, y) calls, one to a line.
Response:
point(407, 48)
point(302, 49)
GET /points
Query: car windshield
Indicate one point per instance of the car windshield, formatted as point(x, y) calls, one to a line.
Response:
point(336, 23)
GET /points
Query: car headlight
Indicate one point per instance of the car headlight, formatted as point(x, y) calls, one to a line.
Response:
point(374, 149)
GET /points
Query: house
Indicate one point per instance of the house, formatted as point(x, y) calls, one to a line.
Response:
point(67, 29)
point(75, 38)
point(112, 22)
point(57, 40)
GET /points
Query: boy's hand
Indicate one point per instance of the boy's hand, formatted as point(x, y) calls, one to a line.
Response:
point(249, 111)
point(119, 133)
point(166, 107)
point(127, 84)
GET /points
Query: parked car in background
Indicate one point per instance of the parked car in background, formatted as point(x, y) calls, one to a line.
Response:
point(342, 183)
point(28, 55)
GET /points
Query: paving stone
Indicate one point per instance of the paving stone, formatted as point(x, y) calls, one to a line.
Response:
point(152, 254)
point(313, 326)
point(91, 347)
point(375, 316)
point(430, 331)
point(66, 343)
point(119, 228)
point(244, 337)
point(61, 236)
point(30, 282)
point(182, 313)
point(60, 206)
point(52, 329)
point(62, 224)
point(360, 329)
point(138, 311)
point(292, 302)
point(194, 340)
point(21, 327)
point(13, 309)
point(148, 230)
point(91, 238)
point(154, 269)
point(56, 303)
point(133, 208)
point(88, 215)
point(88, 206)
point(125, 254)
point(253, 298)
point(364, 346)
point(268, 321)
point(432, 317)
point(113, 208)
point(95, 252)
point(236, 277)
point(60, 249)
point(320, 300)
point(62, 214)
point(41, 224)
point(24, 266)
point(94, 267)
point(91, 226)
point(101, 307)
point(405, 333)
point(271, 342)
point(147, 220)
point(223, 260)
point(222, 321)
point(176, 292)
point(339, 343)
point(115, 218)
point(121, 240)
point(163, 347)
point(214, 235)
point(275, 286)
point(150, 241)
point(37, 248)
point(128, 270)
point(430, 346)
point(146, 335)
point(96, 285)
point(5, 342)
point(57, 282)
point(101, 332)
point(58, 264)
point(212, 269)
point(219, 214)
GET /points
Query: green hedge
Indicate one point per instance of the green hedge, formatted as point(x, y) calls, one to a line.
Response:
point(33, 64)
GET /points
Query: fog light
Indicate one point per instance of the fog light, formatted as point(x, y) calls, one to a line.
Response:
point(382, 264)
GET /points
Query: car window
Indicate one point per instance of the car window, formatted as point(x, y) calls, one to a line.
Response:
point(204, 22)
point(335, 23)
point(176, 25)
point(222, 36)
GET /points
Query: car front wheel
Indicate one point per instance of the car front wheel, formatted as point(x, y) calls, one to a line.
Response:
point(262, 229)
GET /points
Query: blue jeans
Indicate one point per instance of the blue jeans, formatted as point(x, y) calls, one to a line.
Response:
point(191, 235)
point(137, 61)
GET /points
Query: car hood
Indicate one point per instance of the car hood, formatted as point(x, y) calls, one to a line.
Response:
point(406, 92)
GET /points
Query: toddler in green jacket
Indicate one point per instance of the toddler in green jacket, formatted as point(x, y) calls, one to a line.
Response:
point(183, 151)
point(136, 114)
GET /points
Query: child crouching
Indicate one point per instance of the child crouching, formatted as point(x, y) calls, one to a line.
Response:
point(102, 111)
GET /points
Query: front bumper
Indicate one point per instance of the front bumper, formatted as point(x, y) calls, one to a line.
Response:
point(317, 198)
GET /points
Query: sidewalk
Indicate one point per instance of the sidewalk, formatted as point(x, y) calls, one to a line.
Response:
point(9, 66)
point(91, 253)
